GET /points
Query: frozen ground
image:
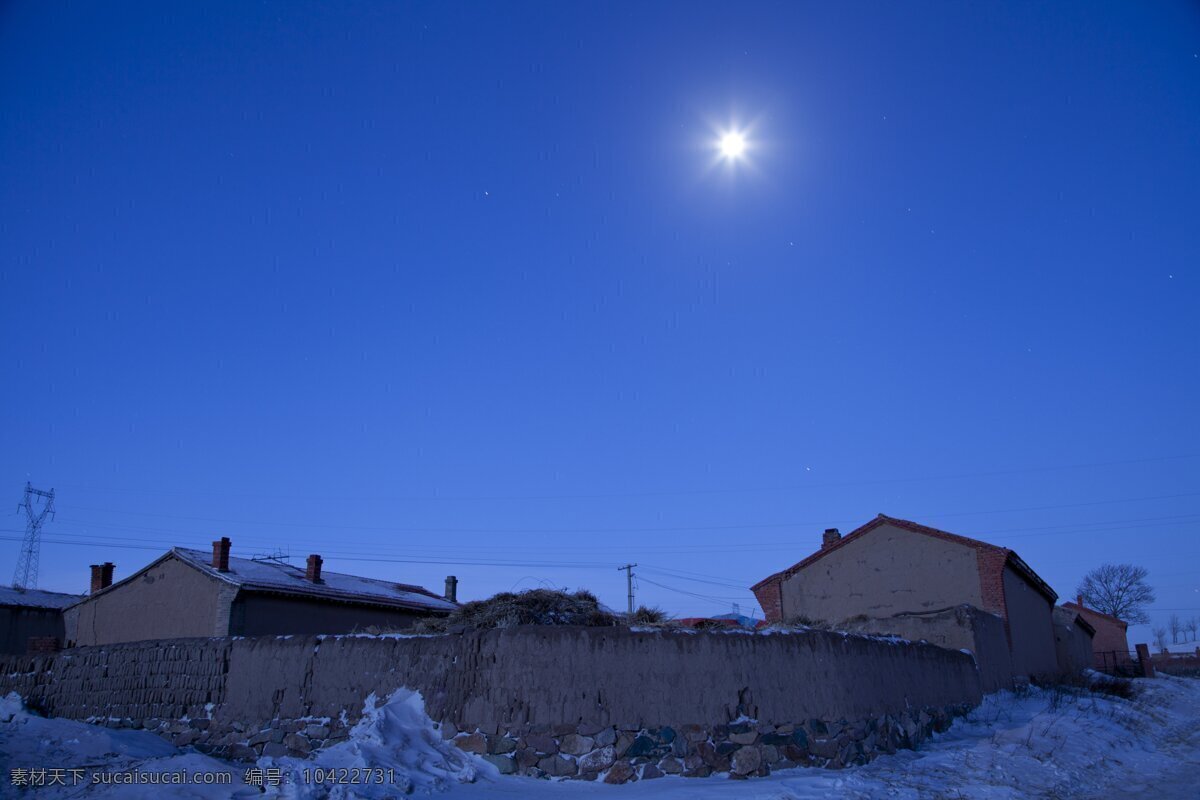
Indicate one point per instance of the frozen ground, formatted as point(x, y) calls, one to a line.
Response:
point(1039, 744)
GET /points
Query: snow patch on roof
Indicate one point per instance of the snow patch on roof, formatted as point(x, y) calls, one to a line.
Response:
point(35, 598)
point(276, 576)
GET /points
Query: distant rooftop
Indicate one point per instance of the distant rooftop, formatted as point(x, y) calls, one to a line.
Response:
point(36, 598)
point(277, 576)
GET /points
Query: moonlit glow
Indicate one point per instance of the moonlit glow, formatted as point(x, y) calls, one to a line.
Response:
point(732, 145)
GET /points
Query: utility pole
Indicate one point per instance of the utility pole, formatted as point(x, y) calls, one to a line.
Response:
point(629, 583)
point(27, 563)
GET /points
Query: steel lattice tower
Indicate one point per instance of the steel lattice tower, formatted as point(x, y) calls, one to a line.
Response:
point(27, 564)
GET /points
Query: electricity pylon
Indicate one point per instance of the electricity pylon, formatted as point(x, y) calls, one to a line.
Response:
point(27, 563)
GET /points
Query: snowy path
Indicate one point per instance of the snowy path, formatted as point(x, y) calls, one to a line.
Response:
point(1038, 745)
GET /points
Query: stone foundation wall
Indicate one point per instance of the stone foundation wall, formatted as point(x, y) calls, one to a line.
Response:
point(743, 749)
point(584, 702)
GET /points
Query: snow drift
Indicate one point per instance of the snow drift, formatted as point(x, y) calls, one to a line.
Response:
point(395, 736)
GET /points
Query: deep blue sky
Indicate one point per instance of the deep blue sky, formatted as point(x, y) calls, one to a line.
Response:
point(456, 282)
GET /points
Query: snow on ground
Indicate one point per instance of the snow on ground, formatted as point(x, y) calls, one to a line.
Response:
point(57, 746)
point(1035, 744)
point(395, 736)
point(1040, 743)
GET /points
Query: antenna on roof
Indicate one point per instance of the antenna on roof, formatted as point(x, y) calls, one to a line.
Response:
point(278, 556)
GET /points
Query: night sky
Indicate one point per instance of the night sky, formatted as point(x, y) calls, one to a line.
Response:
point(467, 288)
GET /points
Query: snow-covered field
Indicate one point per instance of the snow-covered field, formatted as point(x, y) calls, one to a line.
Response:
point(1036, 744)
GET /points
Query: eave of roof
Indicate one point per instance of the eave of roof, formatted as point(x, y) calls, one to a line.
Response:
point(1011, 558)
point(1081, 609)
point(1070, 616)
point(85, 598)
point(42, 599)
point(351, 598)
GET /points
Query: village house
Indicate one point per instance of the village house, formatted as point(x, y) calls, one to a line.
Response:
point(1073, 636)
point(1110, 647)
point(892, 570)
point(188, 593)
point(32, 619)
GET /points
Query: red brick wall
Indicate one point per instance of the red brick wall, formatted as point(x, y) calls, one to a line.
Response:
point(1110, 635)
point(991, 581)
point(43, 644)
point(770, 597)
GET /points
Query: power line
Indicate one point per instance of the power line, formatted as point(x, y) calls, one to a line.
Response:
point(722, 601)
point(789, 545)
point(660, 492)
point(89, 538)
point(724, 584)
point(372, 558)
point(634, 529)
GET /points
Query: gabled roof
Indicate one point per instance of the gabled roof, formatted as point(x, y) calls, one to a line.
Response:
point(1101, 614)
point(1070, 616)
point(277, 577)
point(1010, 557)
point(281, 577)
point(35, 598)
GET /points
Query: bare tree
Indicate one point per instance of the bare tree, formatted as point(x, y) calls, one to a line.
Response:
point(1192, 625)
point(1175, 625)
point(1119, 590)
point(1160, 638)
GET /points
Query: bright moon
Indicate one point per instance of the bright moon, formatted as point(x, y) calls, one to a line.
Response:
point(733, 145)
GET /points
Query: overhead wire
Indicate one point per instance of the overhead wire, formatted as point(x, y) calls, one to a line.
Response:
point(1002, 534)
point(619, 529)
point(658, 492)
point(725, 601)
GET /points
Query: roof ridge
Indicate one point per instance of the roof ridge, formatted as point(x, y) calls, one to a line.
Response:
point(915, 527)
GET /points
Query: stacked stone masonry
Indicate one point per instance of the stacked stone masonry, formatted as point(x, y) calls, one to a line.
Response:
point(743, 749)
point(593, 703)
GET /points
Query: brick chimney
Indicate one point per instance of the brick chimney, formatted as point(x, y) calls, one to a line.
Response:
point(451, 589)
point(102, 575)
point(221, 554)
point(313, 573)
point(832, 535)
point(1079, 600)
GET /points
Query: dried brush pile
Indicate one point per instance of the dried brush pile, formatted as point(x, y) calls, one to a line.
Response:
point(650, 615)
point(531, 607)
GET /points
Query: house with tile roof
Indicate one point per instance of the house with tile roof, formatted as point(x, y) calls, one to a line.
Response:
point(186, 593)
point(890, 567)
point(31, 615)
point(1110, 645)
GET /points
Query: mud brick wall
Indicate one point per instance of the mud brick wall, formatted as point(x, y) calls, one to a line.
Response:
point(957, 628)
point(583, 702)
point(170, 680)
